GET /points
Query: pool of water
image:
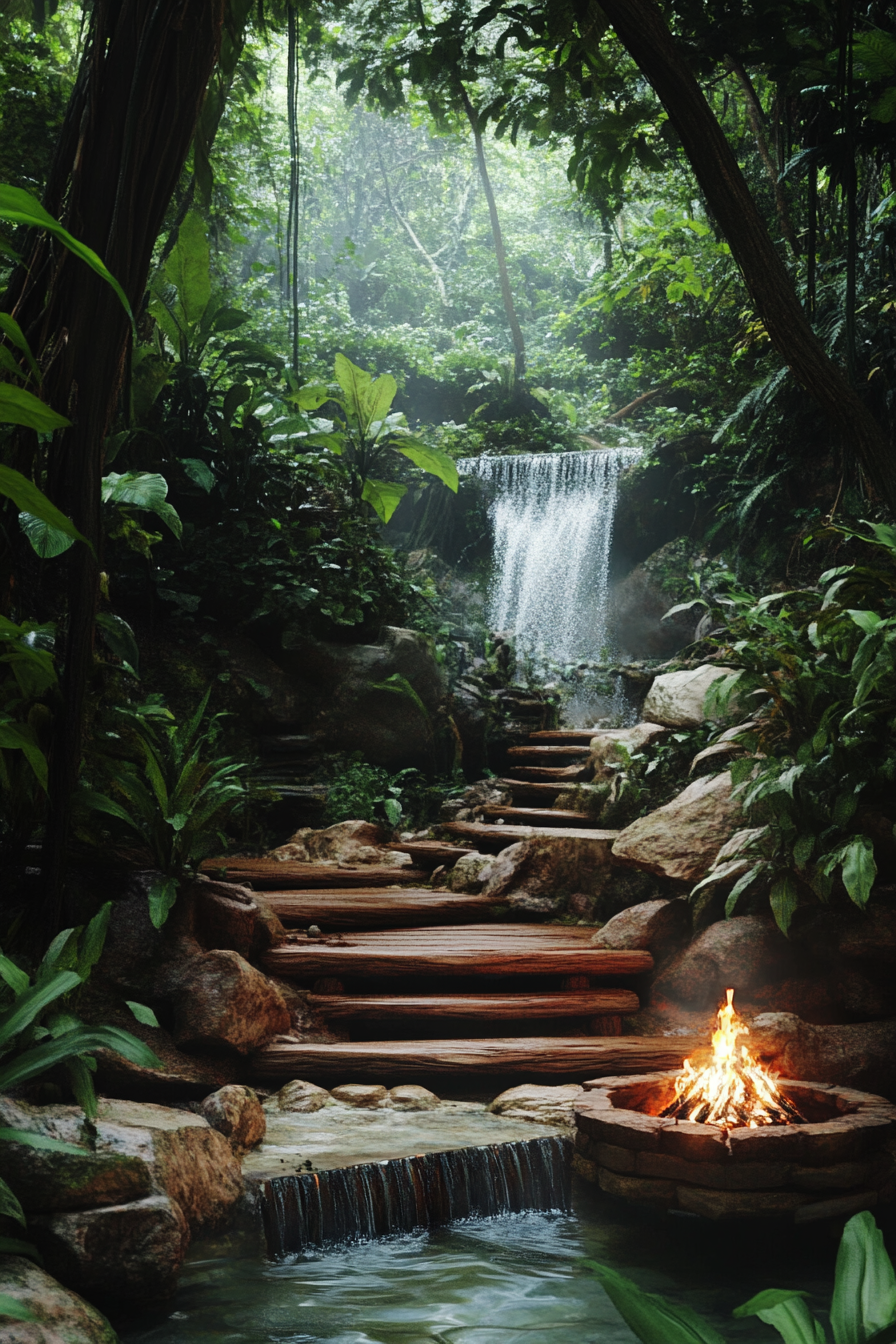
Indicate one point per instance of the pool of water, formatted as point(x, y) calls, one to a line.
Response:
point(514, 1280)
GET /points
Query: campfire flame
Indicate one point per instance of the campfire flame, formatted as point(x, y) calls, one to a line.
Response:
point(733, 1090)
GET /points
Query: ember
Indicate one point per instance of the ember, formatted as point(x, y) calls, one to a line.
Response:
point(733, 1090)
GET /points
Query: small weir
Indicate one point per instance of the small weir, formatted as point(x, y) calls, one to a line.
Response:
point(552, 520)
point(374, 1199)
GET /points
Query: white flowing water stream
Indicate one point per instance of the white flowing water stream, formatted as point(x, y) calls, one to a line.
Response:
point(552, 519)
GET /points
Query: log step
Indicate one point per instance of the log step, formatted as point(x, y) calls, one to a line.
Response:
point(537, 816)
point(389, 1062)
point(364, 907)
point(541, 789)
point(575, 1003)
point(546, 755)
point(573, 737)
point(431, 853)
point(264, 873)
point(562, 775)
point(467, 949)
point(499, 837)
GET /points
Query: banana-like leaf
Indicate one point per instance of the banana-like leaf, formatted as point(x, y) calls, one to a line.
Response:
point(187, 268)
point(26, 496)
point(383, 496)
point(786, 1310)
point(28, 1008)
point(430, 459)
point(32, 1063)
point(162, 894)
point(864, 1299)
point(651, 1317)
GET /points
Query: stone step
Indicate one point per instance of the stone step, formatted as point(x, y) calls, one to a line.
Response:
point(537, 816)
point(568, 736)
point(547, 755)
point(467, 949)
point(431, 853)
point(367, 907)
point(572, 1003)
point(263, 873)
point(499, 837)
point(389, 1062)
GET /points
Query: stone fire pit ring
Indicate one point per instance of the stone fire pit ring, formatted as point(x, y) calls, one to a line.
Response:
point(843, 1160)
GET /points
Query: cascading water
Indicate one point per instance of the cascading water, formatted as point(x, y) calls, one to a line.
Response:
point(552, 517)
point(374, 1199)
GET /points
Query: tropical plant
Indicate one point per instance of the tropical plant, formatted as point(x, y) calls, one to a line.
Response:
point(370, 793)
point(863, 1308)
point(174, 800)
point(369, 433)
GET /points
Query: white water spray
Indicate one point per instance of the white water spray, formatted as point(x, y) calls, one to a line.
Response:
point(552, 517)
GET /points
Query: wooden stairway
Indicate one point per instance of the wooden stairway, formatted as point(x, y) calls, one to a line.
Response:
point(450, 968)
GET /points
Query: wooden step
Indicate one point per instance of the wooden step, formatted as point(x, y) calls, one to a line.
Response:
point(262, 873)
point(533, 788)
point(564, 736)
point(431, 853)
point(499, 837)
point(537, 816)
point(574, 1003)
point(365, 907)
point(546, 755)
point(389, 1062)
point(569, 774)
point(467, 949)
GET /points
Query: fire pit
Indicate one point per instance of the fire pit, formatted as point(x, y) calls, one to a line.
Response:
point(726, 1139)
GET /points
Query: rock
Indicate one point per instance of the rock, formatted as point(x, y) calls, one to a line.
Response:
point(221, 1002)
point(540, 874)
point(369, 1096)
point(225, 915)
point(743, 954)
point(236, 1113)
point(302, 1097)
point(677, 699)
point(657, 926)
point(384, 700)
point(587, 798)
point(122, 1252)
point(581, 906)
point(355, 842)
point(681, 839)
point(860, 1055)
point(269, 932)
point(61, 1316)
point(469, 873)
point(613, 746)
point(412, 1097)
point(531, 1101)
point(871, 934)
point(640, 601)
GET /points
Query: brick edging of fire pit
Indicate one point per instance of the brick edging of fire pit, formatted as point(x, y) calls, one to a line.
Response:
point(839, 1162)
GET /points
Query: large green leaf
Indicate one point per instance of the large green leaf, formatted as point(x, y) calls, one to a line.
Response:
point(13, 332)
point(28, 1008)
point(120, 638)
point(26, 496)
point(32, 1063)
point(354, 383)
point(384, 496)
point(18, 407)
point(859, 869)
point(785, 1309)
point(46, 541)
point(187, 268)
point(42, 1141)
point(19, 207)
point(15, 1310)
point(310, 397)
point(378, 397)
point(162, 894)
point(142, 490)
point(430, 459)
point(784, 898)
point(864, 1283)
point(651, 1317)
point(20, 737)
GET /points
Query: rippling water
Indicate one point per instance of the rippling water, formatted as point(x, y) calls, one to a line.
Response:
point(515, 1280)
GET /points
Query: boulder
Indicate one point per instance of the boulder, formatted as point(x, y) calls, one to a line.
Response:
point(678, 699)
point(226, 915)
point(366, 1096)
point(532, 1101)
point(613, 746)
point(354, 842)
point(121, 1252)
point(743, 954)
point(412, 1097)
point(60, 1316)
point(658, 927)
point(220, 1002)
point(301, 1097)
point(639, 601)
point(871, 934)
point(469, 873)
point(236, 1113)
point(681, 839)
point(540, 874)
point(860, 1054)
point(384, 700)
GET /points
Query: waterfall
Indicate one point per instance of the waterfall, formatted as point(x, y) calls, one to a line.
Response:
point(374, 1199)
point(552, 518)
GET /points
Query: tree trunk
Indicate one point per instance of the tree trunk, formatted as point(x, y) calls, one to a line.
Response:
point(643, 31)
point(123, 145)
point(519, 345)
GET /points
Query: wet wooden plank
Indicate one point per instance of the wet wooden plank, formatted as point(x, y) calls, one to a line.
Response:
point(506, 949)
point(389, 1062)
point(564, 736)
point(547, 754)
point(537, 816)
point(431, 853)
point(262, 873)
point(532, 788)
point(562, 774)
point(365, 907)
point(499, 837)
point(584, 1003)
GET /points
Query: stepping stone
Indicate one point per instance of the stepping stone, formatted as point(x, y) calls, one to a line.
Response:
point(363, 907)
point(538, 816)
point(388, 1061)
point(499, 837)
point(262, 873)
point(573, 1003)
point(467, 949)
